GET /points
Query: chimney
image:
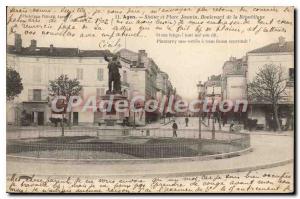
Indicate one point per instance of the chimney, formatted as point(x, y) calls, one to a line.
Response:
point(141, 54)
point(244, 58)
point(51, 48)
point(18, 42)
point(232, 58)
point(281, 41)
point(33, 44)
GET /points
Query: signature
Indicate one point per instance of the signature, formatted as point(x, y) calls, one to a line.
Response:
point(107, 44)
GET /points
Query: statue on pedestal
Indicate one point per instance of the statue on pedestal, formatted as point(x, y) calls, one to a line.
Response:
point(113, 75)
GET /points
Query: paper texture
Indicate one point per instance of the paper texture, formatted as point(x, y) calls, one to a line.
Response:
point(150, 99)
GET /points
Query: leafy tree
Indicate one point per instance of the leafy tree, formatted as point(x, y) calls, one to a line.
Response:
point(64, 86)
point(14, 84)
point(269, 86)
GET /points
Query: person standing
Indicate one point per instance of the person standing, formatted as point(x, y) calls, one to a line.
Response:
point(186, 121)
point(174, 127)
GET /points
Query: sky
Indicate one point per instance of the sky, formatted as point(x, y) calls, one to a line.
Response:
point(186, 64)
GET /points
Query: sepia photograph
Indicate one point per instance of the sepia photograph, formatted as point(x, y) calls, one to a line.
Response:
point(150, 99)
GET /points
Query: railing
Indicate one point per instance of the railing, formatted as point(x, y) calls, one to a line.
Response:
point(21, 133)
point(128, 143)
point(104, 150)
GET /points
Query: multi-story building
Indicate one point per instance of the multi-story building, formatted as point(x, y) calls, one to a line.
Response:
point(234, 86)
point(38, 65)
point(281, 54)
point(143, 82)
point(209, 92)
point(213, 89)
point(162, 84)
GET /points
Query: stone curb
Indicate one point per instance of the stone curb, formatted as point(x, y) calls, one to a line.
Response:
point(193, 173)
point(209, 172)
point(132, 161)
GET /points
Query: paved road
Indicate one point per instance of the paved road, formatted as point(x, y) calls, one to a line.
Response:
point(269, 151)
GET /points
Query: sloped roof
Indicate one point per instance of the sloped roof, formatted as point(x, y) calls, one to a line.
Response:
point(133, 56)
point(275, 48)
point(128, 54)
point(57, 52)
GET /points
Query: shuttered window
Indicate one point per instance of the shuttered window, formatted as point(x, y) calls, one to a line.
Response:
point(79, 74)
point(100, 92)
point(100, 74)
point(37, 94)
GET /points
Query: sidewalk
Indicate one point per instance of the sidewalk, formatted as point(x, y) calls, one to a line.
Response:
point(268, 151)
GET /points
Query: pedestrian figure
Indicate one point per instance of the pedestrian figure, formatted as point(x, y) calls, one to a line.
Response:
point(186, 121)
point(231, 126)
point(174, 127)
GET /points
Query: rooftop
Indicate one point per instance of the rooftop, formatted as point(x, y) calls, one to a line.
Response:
point(140, 57)
point(279, 47)
point(235, 66)
point(56, 52)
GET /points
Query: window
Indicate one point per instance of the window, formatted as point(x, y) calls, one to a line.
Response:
point(37, 94)
point(79, 74)
point(291, 74)
point(124, 76)
point(37, 74)
point(100, 74)
point(100, 92)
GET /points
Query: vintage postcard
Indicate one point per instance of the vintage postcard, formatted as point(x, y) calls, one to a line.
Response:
point(150, 100)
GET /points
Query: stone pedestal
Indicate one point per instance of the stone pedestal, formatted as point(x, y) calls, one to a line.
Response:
point(112, 117)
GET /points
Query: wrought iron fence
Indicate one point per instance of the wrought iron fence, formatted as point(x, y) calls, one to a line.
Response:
point(123, 143)
point(22, 133)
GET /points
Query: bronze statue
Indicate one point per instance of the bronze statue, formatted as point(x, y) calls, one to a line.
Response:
point(113, 74)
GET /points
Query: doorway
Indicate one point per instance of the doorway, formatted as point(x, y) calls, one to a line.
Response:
point(75, 118)
point(40, 118)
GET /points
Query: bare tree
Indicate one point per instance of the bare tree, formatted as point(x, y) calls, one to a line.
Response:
point(269, 86)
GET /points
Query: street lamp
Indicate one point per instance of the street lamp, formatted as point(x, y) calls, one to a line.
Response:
point(213, 122)
point(201, 91)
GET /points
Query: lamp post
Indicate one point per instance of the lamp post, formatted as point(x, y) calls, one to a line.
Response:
point(213, 122)
point(201, 90)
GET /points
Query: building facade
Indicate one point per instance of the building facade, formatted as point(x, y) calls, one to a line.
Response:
point(147, 80)
point(38, 65)
point(140, 76)
point(234, 87)
point(213, 89)
point(281, 54)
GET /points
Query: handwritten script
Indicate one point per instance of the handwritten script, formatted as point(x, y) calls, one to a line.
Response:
point(164, 25)
point(251, 181)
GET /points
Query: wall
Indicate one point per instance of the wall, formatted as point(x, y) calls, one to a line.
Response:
point(235, 87)
point(51, 68)
point(255, 61)
point(137, 79)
